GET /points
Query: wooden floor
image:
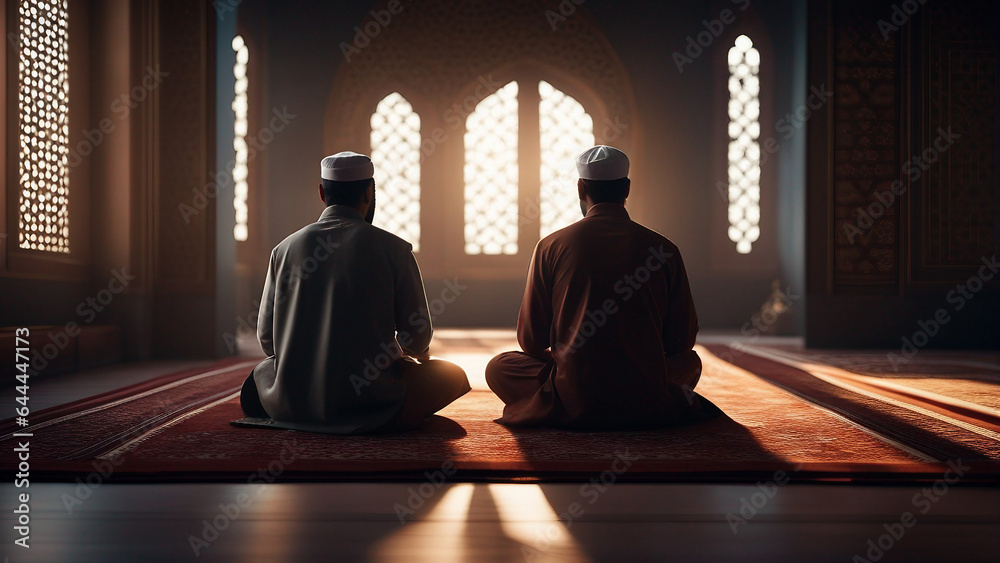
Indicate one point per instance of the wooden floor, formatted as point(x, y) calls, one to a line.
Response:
point(46, 392)
point(484, 522)
point(481, 522)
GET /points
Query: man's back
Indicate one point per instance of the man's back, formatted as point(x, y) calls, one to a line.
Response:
point(611, 299)
point(340, 288)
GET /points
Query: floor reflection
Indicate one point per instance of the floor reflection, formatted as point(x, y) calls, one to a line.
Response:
point(527, 528)
point(440, 532)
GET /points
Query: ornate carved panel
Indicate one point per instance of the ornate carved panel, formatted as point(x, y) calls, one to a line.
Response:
point(956, 207)
point(865, 146)
point(184, 244)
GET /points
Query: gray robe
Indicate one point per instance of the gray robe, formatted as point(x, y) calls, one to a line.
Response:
point(336, 293)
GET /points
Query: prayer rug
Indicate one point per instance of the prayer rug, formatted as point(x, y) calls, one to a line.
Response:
point(778, 418)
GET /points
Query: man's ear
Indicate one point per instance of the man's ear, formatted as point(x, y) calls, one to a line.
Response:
point(581, 189)
point(369, 193)
point(322, 194)
point(628, 187)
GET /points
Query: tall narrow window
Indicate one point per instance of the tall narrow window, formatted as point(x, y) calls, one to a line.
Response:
point(566, 131)
point(491, 175)
point(396, 153)
point(744, 150)
point(241, 172)
point(44, 125)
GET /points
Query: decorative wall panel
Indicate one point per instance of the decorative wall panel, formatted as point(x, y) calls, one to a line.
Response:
point(959, 187)
point(865, 146)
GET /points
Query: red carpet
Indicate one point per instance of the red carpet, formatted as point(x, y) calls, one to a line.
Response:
point(177, 428)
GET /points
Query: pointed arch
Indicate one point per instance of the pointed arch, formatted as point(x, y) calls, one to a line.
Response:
point(395, 144)
point(566, 130)
point(491, 174)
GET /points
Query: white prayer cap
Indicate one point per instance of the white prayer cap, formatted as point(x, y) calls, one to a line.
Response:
point(602, 163)
point(347, 167)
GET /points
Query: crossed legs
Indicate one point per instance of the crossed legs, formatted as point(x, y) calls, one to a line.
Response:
point(431, 385)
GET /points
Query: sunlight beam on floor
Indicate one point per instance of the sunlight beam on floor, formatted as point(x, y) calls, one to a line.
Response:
point(439, 535)
point(527, 517)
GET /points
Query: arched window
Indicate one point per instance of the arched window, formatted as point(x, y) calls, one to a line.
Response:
point(744, 150)
point(241, 171)
point(493, 205)
point(395, 142)
point(566, 130)
point(44, 126)
point(491, 174)
point(482, 200)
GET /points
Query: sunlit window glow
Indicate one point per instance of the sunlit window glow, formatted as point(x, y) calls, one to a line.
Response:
point(43, 98)
point(395, 142)
point(241, 172)
point(491, 175)
point(744, 150)
point(566, 131)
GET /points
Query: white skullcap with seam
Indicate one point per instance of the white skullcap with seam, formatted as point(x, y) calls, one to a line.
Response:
point(602, 163)
point(347, 167)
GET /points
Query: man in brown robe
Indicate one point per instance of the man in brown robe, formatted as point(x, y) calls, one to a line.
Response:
point(607, 323)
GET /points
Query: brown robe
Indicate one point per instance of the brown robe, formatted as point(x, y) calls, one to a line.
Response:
point(607, 325)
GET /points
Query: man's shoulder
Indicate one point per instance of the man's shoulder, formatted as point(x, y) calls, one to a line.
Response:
point(655, 236)
point(363, 233)
point(583, 226)
point(290, 240)
point(383, 236)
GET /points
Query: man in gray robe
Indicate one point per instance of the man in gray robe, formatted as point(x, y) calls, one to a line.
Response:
point(344, 322)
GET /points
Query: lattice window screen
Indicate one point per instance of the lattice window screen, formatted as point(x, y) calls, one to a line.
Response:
point(44, 125)
point(395, 144)
point(491, 175)
point(566, 131)
point(744, 150)
point(240, 169)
